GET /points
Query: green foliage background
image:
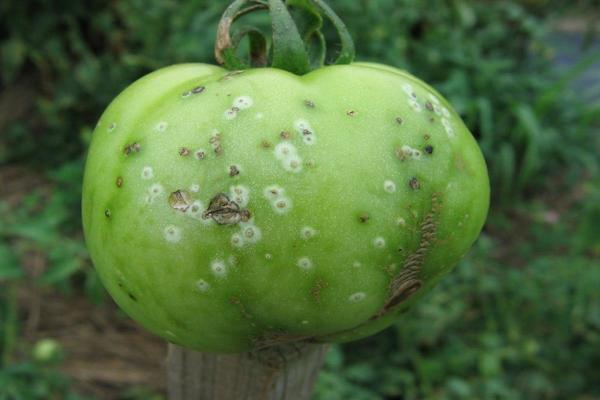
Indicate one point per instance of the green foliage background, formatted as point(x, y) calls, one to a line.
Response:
point(518, 319)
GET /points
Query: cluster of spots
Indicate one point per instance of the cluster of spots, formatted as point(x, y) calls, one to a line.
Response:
point(239, 104)
point(379, 242)
point(442, 112)
point(155, 190)
point(412, 97)
point(172, 234)
point(132, 148)
point(248, 234)
point(218, 268)
point(286, 153)
point(389, 186)
point(276, 195)
point(357, 297)
point(202, 285)
point(161, 127)
point(147, 173)
point(196, 90)
point(307, 232)
point(303, 127)
point(408, 282)
point(240, 194)
point(305, 263)
point(215, 143)
point(407, 153)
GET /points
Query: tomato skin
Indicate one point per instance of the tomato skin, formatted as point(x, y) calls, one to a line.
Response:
point(341, 179)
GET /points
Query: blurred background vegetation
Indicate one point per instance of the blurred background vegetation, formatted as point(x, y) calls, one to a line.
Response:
point(519, 318)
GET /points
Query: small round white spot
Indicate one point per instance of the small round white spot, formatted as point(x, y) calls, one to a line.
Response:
point(284, 150)
point(309, 139)
point(356, 264)
point(389, 186)
point(195, 188)
point(237, 240)
point(218, 268)
point(408, 89)
point(305, 263)
point(307, 232)
point(293, 164)
point(273, 192)
point(147, 173)
point(305, 322)
point(415, 105)
point(172, 234)
point(202, 285)
point(302, 125)
point(433, 98)
point(445, 112)
point(161, 126)
point(240, 194)
point(155, 190)
point(401, 222)
point(379, 242)
point(282, 205)
point(243, 102)
point(269, 256)
point(259, 116)
point(230, 114)
point(251, 233)
point(356, 297)
point(195, 210)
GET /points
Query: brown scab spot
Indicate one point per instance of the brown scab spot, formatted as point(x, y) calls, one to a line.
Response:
point(307, 132)
point(315, 291)
point(428, 149)
point(414, 184)
point(180, 200)
point(364, 218)
point(429, 106)
point(265, 144)
point(198, 89)
point(230, 75)
point(309, 103)
point(184, 152)
point(119, 182)
point(426, 136)
point(285, 135)
point(215, 142)
point(399, 120)
point(132, 148)
point(351, 113)
point(225, 212)
point(233, 170)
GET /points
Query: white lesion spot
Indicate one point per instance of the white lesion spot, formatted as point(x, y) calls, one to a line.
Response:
point(250, 232)
point(282, 205)
point(155, 190)
point(304, 128)
point(305, 263)
point(389, 186)
point(243, 102)
point(230, 113)
point(304, 322)
point(172, 234)
point(161, 126)
point(259, 116)
point(433, 98)
point(408, 89)
point(202, 285)
point(237, 240)
point(415, 105)
point(194, 188)
point(200, 154)
point(293, 164)
point(379, 242)
point(401, 222)
point(268, 256)
point(357, 264)
point(273, 192)
point(406, 152)
point(218, 268)
point(284, 150)
point(307, 232)
point(357, 297)
point(240, 194)
point(195, 211)
point(448, 127)
point(445, 112)
point(147, 173)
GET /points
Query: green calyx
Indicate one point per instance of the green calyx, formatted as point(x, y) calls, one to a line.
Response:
point(297, 45)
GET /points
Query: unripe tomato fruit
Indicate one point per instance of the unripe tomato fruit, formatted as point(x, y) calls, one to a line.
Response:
point(227, 211)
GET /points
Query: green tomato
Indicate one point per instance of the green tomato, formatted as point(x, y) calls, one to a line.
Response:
point(228, 211)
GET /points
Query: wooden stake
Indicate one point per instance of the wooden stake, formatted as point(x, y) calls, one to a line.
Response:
point(284, 372)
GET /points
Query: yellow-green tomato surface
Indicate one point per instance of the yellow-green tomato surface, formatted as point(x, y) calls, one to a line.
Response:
point(226, 211)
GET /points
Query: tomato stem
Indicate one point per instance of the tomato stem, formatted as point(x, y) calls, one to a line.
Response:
point(297, 44)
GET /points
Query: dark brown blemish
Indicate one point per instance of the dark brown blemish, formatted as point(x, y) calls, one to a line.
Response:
point(184, 152)
point(309, 103)
point(107, 213)
point(198, 89)
point(119, 182)
point(414, 183)
point(285, 135)
point(224, 211)
point(265, 144)
point(132, 148)
point(364, 218)
point(399, 120)
point(179, 200)
point(233, 171)
point(351, 113)
point(131, 296)
point(428, 149)
point(429, 106)
point(215, 142)
point(315, 291)
point(426, 136)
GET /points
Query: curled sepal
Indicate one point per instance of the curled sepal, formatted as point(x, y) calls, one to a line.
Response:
point(289, 51)
point(348, 51)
